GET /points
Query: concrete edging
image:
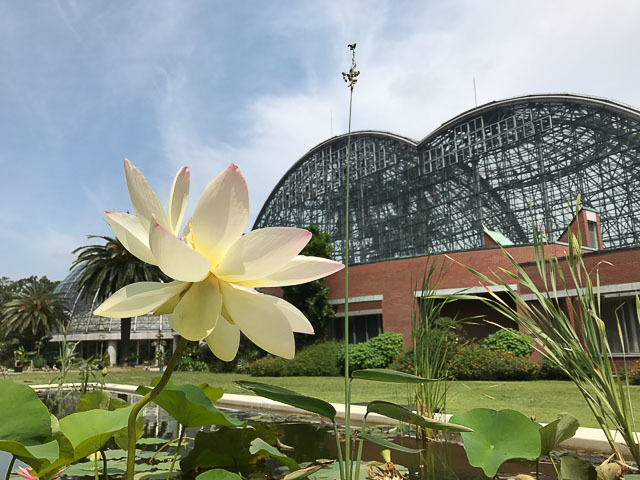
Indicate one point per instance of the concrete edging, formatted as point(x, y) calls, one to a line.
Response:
point(590, 439)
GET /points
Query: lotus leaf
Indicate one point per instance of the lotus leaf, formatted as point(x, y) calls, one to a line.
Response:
point(218, 474)
point(556, 432)
point(574, 468)
point(498, 436)
point(259, 447)
point(227, 447)
point(190, 405)
point(386, 443)
point(289, 397)
point(402, 414)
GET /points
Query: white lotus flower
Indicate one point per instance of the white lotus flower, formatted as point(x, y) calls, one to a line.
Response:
point(214, 266)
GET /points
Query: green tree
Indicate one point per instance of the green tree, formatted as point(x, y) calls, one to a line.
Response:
point(31, 309)
point(105, 269)
point(311, 297)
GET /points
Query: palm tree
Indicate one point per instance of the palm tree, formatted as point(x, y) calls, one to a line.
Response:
point(105, 269)
point(33, 310)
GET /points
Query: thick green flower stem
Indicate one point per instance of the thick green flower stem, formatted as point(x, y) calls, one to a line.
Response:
point(140, 404)
point(8, 475)
point(339, 450)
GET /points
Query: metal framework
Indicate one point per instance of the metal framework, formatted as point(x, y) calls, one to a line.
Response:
point(502, 165)
point(83, 321)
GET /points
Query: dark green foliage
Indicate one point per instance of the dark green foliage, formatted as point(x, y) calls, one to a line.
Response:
point(311, 298)
point(550, 371)
point(32, 310)
point(507, 340)
point(379, 352)
point(108, 267)
point(315, 360)
point(476, 362)
point(404, 362)
point(190, 364)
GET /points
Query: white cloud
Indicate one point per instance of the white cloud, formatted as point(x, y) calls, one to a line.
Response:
point(418, 64)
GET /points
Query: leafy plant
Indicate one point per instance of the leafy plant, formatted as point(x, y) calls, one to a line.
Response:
point(378, 352)
point(507, 340)
point(476, 362)
point(318, 359)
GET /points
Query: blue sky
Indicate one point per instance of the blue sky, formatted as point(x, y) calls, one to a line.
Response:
point(206, 83)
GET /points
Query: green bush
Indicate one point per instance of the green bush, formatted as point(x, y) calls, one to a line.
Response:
point(550, 371)
point(315, 360)
point(507, 340)
point(191, 364)
point(39, 361)
point(379, 352)
point(476, 362)
point(404, 362)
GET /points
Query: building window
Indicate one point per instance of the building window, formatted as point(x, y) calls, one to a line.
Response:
point(622, 312)
point(593, 234)
point(361, 327)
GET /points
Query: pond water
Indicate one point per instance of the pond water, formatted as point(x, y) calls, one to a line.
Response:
point(312, 440)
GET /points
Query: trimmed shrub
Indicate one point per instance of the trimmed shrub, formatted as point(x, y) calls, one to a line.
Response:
point(379, 352)
point(191, 364)
point(313, 361)
point(549, 371)
point(404, 363)
point(507, 340)
point(476, 362)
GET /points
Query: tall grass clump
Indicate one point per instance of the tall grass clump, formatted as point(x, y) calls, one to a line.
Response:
point(574, 338)
point(431, 336)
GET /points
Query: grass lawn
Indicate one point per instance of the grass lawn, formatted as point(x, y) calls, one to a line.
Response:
point(541, 399)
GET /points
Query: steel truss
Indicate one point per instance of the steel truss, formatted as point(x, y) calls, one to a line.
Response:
point(502, 165)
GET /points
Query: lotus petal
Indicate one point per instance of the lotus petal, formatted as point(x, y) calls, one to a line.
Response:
point(297, 320)
point(175, 258)
point(178, 199)
point(224, 340)
point(300, 269)
point(261, 320)
point(261, 252)
point(143, 198)
point(139, 298)
point(196, 314)
point(131, 234)
point(221, 214)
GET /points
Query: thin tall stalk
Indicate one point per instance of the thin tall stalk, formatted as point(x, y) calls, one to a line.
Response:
point(351, 78)
point(573, 336)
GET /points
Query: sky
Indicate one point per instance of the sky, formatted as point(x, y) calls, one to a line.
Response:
point(207, 83)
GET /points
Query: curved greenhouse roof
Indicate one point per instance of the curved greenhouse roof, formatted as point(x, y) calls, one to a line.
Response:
point(501, 165)
point(84, 325)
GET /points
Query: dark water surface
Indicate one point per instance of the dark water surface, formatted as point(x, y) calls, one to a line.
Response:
point(312, 440)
